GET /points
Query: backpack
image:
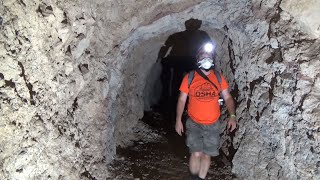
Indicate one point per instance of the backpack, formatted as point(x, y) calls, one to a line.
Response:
point(191, 76)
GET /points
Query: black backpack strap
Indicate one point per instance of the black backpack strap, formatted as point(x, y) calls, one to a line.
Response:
point(190, 77)
point(206, 78)
point(218, 75)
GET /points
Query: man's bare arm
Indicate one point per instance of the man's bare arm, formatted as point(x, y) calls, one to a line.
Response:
point(180, 108)
point(232, 122)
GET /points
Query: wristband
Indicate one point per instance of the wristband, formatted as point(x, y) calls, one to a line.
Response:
point(233, 115)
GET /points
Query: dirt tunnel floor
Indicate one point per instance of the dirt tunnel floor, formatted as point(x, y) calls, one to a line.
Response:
point(166, 159)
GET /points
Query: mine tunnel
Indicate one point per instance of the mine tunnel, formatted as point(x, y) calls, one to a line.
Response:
point(78, 80)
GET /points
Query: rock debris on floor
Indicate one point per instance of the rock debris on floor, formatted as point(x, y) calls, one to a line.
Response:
point(164, 159)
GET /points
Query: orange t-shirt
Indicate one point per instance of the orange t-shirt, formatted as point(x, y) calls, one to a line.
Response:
point(203, 104)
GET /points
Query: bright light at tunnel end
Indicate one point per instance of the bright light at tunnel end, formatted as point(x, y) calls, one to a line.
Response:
point(208, 47)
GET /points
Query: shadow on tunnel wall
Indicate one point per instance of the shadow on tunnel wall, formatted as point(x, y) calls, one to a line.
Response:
point(177, 57)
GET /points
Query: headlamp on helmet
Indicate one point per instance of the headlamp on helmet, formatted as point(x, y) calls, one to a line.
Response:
point(204, 56)
point(208, 47)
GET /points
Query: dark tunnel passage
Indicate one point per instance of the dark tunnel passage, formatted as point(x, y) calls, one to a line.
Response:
point(176, 58)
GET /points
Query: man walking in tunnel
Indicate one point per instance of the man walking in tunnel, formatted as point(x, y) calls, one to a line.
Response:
point(202, 127)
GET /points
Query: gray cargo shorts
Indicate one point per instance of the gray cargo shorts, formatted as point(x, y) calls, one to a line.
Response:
point(203, 138)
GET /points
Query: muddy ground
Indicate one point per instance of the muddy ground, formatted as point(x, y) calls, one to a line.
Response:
point(164, 159)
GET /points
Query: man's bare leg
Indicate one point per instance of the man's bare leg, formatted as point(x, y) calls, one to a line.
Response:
point(195, 162)
point(205, 161)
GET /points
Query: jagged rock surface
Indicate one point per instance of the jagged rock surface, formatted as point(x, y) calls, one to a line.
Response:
point(73, 73)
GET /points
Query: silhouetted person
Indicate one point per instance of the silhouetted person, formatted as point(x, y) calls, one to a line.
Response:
point(178, 57)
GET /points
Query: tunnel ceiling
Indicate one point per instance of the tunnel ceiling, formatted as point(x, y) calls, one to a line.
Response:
point(72, 77)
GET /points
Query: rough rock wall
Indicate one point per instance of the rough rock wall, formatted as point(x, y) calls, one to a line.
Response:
point(53, 110)
point(72, 79)
point(279, 85)
point(63, 64)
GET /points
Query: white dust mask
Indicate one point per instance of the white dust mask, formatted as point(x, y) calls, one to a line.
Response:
point(206, 63)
